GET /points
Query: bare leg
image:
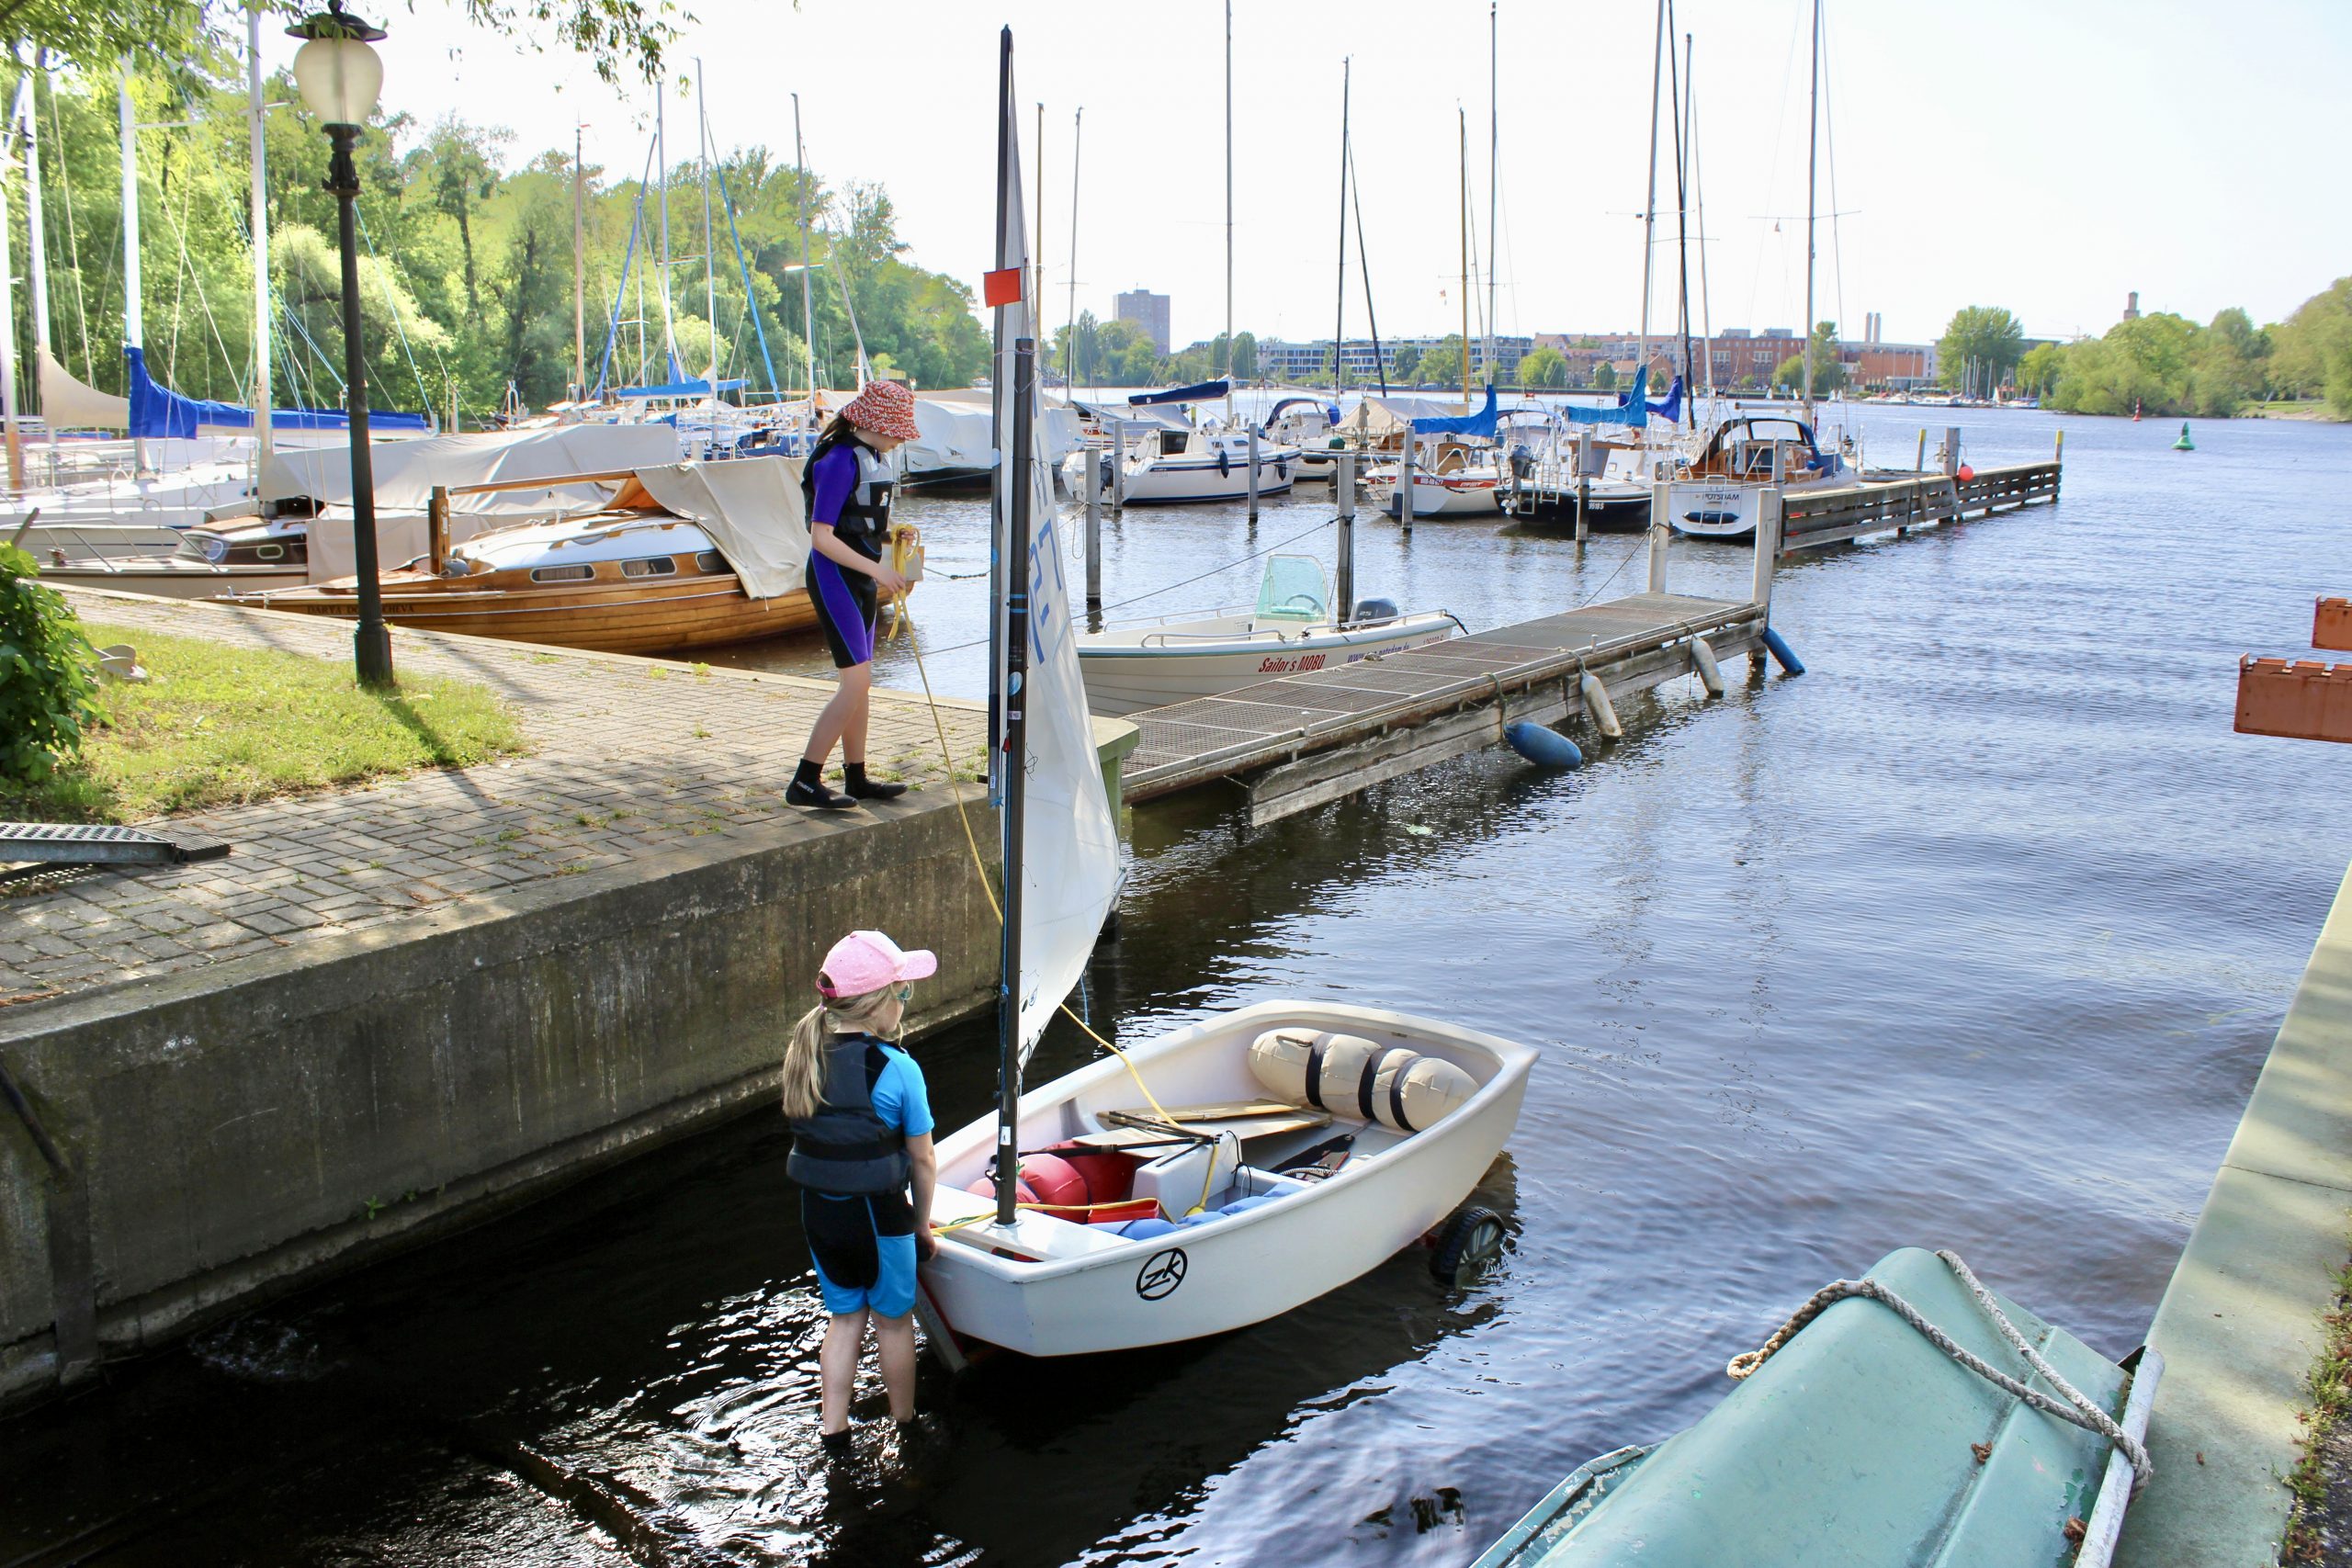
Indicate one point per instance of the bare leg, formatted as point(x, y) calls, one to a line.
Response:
point(895, 1341)
point(845, 709)
point(837, 1368)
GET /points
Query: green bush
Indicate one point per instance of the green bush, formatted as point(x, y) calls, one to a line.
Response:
point(48, 674)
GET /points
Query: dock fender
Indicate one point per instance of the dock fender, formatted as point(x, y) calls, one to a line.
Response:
point(1597, 703)
point(1281, 468)
point(1782, 655)
point(1224, 464)
point(1542, 745)
point(1703, 659)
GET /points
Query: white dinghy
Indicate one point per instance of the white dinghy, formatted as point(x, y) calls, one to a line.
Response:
point(1218, 1175)
point(1291, 629)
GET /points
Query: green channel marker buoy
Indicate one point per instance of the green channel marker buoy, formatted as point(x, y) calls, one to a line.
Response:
point(2184, 444)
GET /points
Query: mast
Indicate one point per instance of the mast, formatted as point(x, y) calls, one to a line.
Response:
point(1813, 122)
point(134, 333)
point(1681, 222)
point(1699, 201)
point(1463, 116)
point(1650, 203)
point(1037, 261)
point(37, 241)
point(1228, 211)
point(8, 425)
point(662, 158)
point(263, 315)
point(1070, 332)
point(808, 310)
point(710, 245)
point(1340, 317)
point(579, 268)
point(1493, 144)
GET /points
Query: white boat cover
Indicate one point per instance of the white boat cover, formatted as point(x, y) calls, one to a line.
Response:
point(956, 438)
point(752, 510)
point(406, 471)
point(1070, 870)
point(1394, 416)
point(70, 404)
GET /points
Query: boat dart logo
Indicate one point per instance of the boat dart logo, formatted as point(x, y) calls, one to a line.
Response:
point(1160, 1274)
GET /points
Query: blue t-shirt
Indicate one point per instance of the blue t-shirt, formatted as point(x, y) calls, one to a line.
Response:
point(900, 1098)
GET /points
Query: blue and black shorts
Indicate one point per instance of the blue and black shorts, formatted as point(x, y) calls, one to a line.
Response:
point(864, 1246)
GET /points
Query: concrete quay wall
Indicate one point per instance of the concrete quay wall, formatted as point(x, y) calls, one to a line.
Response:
point(230, 1132)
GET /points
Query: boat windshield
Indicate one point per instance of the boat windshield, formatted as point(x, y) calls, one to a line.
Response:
point(1294, 590)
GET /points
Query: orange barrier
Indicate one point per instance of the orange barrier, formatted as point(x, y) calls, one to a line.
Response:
point(2303, 701)
point(2331, 625)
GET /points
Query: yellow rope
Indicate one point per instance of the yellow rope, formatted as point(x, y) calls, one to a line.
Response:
point(947, 756)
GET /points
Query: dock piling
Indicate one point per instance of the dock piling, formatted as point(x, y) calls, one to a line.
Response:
point(1767, 548)
point(1661, 492)
point(1253, 473)
point(1405, 484)
point(1118, 467)
point(1919, 464)
point(1346, 585)
point(1952, 451)
point(1584, 481)
point(2058, 452)
point(1093, 547)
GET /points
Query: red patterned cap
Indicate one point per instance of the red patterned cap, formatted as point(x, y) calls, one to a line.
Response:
point(886, 408)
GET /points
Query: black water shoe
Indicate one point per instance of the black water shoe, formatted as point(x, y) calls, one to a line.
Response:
point(859, 787)
point(807, 788)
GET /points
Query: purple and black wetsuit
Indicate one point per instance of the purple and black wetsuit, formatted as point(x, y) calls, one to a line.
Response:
point(848, 490)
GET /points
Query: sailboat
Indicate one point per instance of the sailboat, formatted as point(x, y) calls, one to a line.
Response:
point(1210, 1177)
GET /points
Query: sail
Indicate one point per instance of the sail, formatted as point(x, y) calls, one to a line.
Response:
point(69, 403)
point(1070, 871)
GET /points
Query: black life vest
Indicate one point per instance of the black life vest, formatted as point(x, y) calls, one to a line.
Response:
point(865, 513)
point(845, 1146)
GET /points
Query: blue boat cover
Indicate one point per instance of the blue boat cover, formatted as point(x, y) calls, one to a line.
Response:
point(1480, 423)
point(1670, 408)
point(697, 386)
point(1207, 391)
point(1633, 411)
point(1330, 410)
point(158, 412)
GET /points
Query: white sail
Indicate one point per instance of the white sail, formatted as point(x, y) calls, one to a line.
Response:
point(1071, 860)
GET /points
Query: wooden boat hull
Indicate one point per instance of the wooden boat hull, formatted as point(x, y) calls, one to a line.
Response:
point(1067, 1293)
point(661, 617)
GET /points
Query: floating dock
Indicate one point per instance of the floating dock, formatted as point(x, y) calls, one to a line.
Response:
point(1812, 518)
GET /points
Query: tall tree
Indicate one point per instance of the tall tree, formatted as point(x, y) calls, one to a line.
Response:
point(1986, 339)
point(459, 163)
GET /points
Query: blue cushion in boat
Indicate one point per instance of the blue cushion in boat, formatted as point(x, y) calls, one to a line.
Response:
point(1144, 1229)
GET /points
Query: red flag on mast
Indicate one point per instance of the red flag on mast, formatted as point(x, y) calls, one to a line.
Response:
point(998, 289)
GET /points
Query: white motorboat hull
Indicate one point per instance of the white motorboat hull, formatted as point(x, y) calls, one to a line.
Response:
point(1191, 478)
point(1447, 495)
point(176, 577)
point(1116, 1294)
point(1123, 678)
point(1700, 510)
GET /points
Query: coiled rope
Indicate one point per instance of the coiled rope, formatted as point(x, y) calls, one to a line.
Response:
point(2077, 1409)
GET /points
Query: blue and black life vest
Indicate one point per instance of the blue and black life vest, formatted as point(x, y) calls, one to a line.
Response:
point(865, 513)
point(845, 1146)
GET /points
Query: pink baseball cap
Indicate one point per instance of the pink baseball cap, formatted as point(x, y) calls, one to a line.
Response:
point(868, 961)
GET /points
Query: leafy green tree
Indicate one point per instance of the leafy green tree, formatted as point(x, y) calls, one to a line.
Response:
point(1983, 337)
point(459, 165)
point(1441, 362)
point(2038, 372)
point(1244, 353)
point(1829, 370)
point(2144, 364)
point(2311, 350)
point(1405, 363)
point(1604, 376)
point(1544, 368)
point(48, 673)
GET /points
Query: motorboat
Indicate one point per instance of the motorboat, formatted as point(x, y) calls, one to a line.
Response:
point(238, 554)
point(1168, 457)
point(1720, 493)
point(1208, 1177)
point(1290, 629)
point(1311, 425)
point(683, 556)
point(1455, 480)
point(1234, 1199)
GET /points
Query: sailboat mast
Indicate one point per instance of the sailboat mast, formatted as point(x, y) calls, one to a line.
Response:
point(1650, 203)
point(1070, 332)
point(134, 331)
point(1013, 402)
point(37, 241)
point(1494, 145)
point(578, 267)
point(14, 437)
point(1699, 205)
point(662, 159)
point(1228, 211)
point(1682, 223)
point(1037, 261)
point(1340, 316)
point(1463, 117)
point(256, 109)
point(710, 245)
point(1813, 122)
point(808, 308)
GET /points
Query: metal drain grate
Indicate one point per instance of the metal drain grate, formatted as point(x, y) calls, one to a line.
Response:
point(84, 844)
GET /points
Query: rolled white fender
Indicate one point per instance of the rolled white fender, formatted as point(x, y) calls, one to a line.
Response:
point(1597, 703)
point(1703, 659)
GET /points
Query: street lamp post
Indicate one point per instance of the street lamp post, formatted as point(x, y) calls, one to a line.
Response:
point(339, 76)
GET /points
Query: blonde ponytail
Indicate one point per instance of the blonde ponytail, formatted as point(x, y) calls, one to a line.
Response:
point(804, 1053)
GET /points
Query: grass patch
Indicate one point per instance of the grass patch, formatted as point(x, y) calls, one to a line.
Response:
point(2330, 1387)
point(217, 725)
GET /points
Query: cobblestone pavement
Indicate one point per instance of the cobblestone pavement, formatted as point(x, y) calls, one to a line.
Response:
point(627, 755)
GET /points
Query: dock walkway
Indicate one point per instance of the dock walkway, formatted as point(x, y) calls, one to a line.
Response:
point(1302, 740)
point(1811, 519)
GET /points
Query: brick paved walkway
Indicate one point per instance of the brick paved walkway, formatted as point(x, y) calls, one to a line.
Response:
point(627, 755)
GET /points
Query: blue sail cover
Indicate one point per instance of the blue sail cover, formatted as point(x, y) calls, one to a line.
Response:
point(697, 388)
point(158, 412)
point(1207, 391)
point(1481, 423)
point(1670, 409)
point(1633, 413)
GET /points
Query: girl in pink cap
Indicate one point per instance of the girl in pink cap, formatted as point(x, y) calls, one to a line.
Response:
point(861, 1136)
point(847, 486)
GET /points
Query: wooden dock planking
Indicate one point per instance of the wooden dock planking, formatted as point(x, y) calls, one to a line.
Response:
point(1320, 736)
point(1811, 519)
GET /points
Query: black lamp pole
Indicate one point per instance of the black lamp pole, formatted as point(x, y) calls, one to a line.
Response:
point(372, 642)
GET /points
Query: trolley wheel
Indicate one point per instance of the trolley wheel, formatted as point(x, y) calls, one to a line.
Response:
point(1470, 1246)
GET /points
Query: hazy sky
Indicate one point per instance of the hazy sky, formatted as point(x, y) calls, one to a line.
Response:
point(2047, 155)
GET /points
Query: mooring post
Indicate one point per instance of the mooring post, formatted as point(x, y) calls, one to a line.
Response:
point(1661, 491)
point(1118, 467)
point(1767, 548)
point(1584, 480)
point(2058, 452)
point(1405, 483)
point(1094, 544)
point(1919, 464)
point(1952, 451)
point(1253, 472)
point(1346, 586)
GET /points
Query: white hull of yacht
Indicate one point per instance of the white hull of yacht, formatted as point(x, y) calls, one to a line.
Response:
point(175, 577)
point(1068, 1289)
point(1471, 493)
point(1129, 670)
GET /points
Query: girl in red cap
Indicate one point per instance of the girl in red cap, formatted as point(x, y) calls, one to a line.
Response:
point(847, 486)
point(861, 1136)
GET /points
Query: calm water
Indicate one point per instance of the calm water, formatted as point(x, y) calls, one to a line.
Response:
point(1972, 936)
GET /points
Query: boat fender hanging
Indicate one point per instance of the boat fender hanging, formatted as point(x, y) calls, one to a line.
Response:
point(1224, 465)
point(1597, 703)
point(1411, 1092)
point(1783, 654)
point(1542, 745)
point(1711, 674)
point(1281, 469)
point(1964, 473)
